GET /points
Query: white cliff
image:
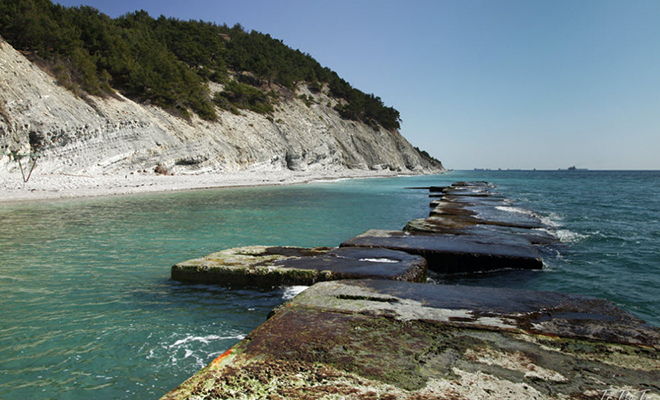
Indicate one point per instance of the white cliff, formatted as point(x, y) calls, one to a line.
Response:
point(115, 135)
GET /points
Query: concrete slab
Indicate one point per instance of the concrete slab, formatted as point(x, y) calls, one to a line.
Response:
point(489, 214)
point(395, 340)
point(467, 201)
point(265, 267)
point(452, 253)
point(454, 226)
point(481, 184)
point(467, 192)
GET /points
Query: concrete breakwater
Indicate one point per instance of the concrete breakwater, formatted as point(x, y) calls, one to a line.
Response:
point(384, 338)
point(264, 267)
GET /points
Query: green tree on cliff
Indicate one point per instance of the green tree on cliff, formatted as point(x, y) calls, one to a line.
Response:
point(167, 62)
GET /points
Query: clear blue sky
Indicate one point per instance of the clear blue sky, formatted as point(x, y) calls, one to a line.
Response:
point(480, 84)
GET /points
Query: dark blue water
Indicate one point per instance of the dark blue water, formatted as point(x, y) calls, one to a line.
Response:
point(88, 310)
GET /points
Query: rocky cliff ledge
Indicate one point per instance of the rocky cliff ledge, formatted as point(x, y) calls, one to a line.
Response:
point(116, 135)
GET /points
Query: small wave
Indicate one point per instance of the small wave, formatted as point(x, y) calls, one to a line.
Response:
point(9, 278)
point(566, 236)
point(203, 339)
point(193, 349)
point(329, 180)
point(551, 219)
point(518, 210)
point(292, 291)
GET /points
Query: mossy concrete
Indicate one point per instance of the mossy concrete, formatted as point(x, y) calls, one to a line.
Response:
point(460, 226)
point(266, 267)
point(374, 339)
point(484, 210)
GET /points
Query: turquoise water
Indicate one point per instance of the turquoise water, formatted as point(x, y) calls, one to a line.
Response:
point(88, 310)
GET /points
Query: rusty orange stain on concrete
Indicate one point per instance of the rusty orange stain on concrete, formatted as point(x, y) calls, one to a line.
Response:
point(222, 356)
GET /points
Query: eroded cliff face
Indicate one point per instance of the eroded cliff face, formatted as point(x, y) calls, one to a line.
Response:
point(117, 135)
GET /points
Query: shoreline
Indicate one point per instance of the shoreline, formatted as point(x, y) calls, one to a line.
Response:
point(45, 187)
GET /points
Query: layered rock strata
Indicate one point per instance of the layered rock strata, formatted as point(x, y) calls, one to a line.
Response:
point(116, 135)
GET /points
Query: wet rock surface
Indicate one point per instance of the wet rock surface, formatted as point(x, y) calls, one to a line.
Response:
point(265, 267)
point(470, 228)
point(373, 339)
point(456, 253)
point(455, 226)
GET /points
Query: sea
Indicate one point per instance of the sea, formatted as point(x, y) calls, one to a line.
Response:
point(88, 311)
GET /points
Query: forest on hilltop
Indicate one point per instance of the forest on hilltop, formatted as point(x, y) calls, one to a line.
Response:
point(168, 62)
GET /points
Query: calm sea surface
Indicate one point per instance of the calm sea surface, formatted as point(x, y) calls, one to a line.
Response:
point(87, 309)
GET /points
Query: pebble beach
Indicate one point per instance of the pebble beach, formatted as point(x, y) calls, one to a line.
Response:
point(63, 186)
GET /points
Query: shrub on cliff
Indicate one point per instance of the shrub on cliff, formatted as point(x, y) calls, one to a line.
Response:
point(167, 61)
point(240, 95)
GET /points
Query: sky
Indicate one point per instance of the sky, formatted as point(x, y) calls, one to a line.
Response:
point(543, 84)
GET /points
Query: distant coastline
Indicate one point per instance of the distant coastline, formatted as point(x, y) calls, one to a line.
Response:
point(572, 168)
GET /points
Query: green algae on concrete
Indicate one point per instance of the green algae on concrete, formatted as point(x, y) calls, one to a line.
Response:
point(458, 226)
point(372, 339)
point(263, 266)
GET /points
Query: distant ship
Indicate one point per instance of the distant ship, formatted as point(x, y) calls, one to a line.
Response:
point(573, 168)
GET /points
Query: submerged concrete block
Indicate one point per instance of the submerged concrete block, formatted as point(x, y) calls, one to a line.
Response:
point(262, 266)
point(474, 210)
point(486, 211)
point(374, 339)
point(479, 184)
point(457, 226)
point(455, 253)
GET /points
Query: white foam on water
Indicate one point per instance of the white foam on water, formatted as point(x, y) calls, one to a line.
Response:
point(566, 236)
point(292, 291)
point(189, 348)
point(512, 209)
point(549, 222)
point(330, 180)
point(552, 220)
point(203, 339)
